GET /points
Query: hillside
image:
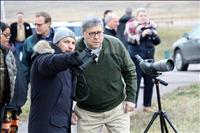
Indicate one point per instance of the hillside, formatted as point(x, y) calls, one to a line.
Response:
point(161, 11)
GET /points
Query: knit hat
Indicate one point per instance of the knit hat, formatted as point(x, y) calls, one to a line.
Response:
point(61, 33)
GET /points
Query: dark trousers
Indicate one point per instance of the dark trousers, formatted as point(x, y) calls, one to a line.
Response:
point(2, 109)
point(148, 86)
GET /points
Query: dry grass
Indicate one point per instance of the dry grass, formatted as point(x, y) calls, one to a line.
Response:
point(182, 108)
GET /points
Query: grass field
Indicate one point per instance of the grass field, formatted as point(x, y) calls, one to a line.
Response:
point(182, 108)
point(78, 10)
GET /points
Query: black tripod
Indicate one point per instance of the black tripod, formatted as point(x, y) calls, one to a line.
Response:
point(163, 115)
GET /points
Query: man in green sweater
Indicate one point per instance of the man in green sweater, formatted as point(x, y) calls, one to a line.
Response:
point(111, 82)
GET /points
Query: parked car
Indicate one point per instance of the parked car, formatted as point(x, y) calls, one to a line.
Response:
point(74, 26)
point(186, 50)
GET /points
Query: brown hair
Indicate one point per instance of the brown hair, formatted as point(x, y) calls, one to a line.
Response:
point(47, 17)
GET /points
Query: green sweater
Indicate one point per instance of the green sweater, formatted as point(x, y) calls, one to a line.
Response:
point(106, 78)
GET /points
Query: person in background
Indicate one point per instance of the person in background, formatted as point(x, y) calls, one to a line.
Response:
point(13, 109)
point(20, 30)
point(8, 71)
point(142, 37)
point(52, 84)
point(122, 22)
point(111, 24)
point(43, 31)
point(104, 15)
point(111, 82)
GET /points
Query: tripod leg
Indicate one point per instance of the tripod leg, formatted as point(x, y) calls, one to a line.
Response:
point(163, 123)
point(151, 122)
point(166, 117)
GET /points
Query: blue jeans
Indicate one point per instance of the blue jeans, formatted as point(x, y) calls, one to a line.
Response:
point(19, 47)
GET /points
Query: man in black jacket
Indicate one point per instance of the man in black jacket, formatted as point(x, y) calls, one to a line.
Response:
point(20, 30)
point(111, 24)
point(122, 22)
point(52, 84)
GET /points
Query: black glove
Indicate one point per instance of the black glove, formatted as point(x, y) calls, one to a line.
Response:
point(75, 59)
point(84, 58)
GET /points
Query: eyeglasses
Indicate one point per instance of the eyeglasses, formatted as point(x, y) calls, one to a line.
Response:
point(6, 35)
point(39, 25)
point(93, 34)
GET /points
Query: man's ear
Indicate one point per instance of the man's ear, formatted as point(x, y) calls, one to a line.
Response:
point(49, 24)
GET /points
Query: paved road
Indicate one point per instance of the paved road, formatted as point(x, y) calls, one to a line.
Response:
point(174, 79)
